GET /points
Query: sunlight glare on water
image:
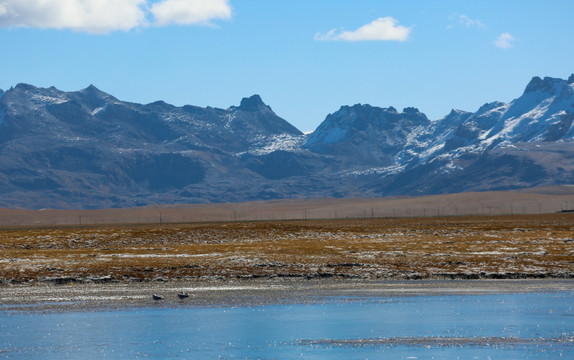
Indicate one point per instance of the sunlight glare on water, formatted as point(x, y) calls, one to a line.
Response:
point(527, 325)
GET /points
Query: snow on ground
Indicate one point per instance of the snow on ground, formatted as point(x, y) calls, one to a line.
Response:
point(158, 255)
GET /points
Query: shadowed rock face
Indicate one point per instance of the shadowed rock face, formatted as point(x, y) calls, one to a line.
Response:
point(369, 135)
point(87, 149)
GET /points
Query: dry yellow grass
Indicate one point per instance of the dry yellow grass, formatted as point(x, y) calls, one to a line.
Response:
point(533, 201)
point(448, 247)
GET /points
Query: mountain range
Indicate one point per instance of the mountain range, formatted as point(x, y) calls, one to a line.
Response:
point(87, 149)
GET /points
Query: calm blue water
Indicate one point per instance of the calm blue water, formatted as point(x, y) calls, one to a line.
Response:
point(280, 331)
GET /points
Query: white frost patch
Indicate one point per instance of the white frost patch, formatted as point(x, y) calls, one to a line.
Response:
point(388, 170)
point(264, 145)
point(172, 117)
point(43, 100)
point(516, 127)
point(157, 255)
point(88, 298)
point(425, 154)
point(500, 110)
point(97, 110)
point(450, 167)
point(229, 120)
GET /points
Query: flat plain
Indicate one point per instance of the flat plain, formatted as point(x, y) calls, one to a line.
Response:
point(463, 247)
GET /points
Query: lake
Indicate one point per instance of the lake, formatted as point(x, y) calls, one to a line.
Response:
point(500, 326)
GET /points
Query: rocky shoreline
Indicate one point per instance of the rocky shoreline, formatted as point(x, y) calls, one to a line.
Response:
point(119, 295)
point(69, 280)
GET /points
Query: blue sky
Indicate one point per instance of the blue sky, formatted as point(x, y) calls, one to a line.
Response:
point(305, 58)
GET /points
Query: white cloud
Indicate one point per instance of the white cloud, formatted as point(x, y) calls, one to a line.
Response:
point(92, 16)
point(104, 16)
point(382, 29)
point(186, 12)
point(467, 21)
point(505, 41)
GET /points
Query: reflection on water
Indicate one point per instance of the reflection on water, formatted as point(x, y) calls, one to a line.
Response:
point(529, 325)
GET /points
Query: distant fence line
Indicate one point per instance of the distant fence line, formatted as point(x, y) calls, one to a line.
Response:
point(252, 213)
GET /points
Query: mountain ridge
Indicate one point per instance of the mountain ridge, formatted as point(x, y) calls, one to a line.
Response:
point(88, 149)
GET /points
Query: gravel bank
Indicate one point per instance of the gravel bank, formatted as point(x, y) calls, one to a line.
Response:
point(121, 295)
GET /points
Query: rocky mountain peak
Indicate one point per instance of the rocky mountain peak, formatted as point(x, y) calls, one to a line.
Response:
point(88, 149)
point(547, 85)
point(91, 87)
point(92, 90)
point(93, 97)
point(413, 114)
point(254, 118)
point(251, 104)
point(489, 106)
point(411, 110)
point(24, 87)
point(370, 133)
point(159, 105)
point(456, 112)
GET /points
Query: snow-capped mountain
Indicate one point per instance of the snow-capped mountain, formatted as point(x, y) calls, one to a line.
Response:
point(367, 134)
point(543, 113)
point(87, 149)
point(431, 156)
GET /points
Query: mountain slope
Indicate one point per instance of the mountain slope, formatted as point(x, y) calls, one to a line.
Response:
point(87, 149)
point(369, 135)
point(472, 151)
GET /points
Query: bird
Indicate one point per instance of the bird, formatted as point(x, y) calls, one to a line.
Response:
point(182, 295)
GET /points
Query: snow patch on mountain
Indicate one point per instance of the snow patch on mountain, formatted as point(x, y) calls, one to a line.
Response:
point(64, 145)
point(379, 171)
point(228, 119)
point(432, 150)
point(40, 100)
point(72, 139)
point(96, 111)
point(450, 167)
point(174, 117)
point(264, 145)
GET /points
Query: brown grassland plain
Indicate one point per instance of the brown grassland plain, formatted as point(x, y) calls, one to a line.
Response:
point(456, 247)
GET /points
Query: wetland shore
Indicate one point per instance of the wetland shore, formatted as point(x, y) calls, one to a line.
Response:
point(94, 297)
point(284, 260)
